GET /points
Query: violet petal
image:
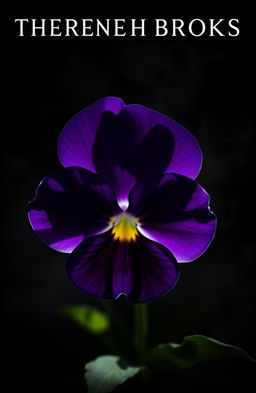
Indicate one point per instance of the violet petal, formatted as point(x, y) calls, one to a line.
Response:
point(141, 142)
point(174, 211)
point(125, 144)
point(71, 205)
point(76, 141)
point(105, 268)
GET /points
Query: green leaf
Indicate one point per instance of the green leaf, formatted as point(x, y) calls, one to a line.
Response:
point(193, 350)
point(90, 318)
point(106, 372)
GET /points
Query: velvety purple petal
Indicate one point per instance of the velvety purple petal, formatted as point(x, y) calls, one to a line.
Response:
point(71, 205)
point(76, 141)
point(142, 270)
point(174, 211)
point(141, 142)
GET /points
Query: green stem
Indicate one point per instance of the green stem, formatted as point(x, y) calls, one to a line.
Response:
point(115, 317)
point(140, 331)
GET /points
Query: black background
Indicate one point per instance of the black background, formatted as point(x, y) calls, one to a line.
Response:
point(205, 84)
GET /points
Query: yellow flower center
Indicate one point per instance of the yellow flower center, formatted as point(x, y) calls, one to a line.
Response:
point(124, 228)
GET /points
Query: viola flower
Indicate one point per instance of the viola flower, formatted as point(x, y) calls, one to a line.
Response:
point(125, 205)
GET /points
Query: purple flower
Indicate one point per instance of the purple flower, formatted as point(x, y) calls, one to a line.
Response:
point(125, 206)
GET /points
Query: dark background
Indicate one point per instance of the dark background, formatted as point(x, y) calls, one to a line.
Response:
point(205, 84)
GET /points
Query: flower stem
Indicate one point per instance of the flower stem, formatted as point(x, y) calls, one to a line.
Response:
point(115, 317)
point(140, 331)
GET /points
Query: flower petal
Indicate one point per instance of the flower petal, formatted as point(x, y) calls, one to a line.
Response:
point(174, 211)
point(70, 205)
point(125, 144)
point(76, 141)
point(142, 270)
point(141, 142)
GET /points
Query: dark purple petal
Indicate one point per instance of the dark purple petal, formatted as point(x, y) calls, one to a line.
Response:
point(139, 143)
point(127, 144)
point(76, 141)
point(71, 205)
point(142, 270)
point(174, 211)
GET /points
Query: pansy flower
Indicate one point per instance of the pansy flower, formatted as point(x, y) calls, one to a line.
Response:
point(125, 205)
